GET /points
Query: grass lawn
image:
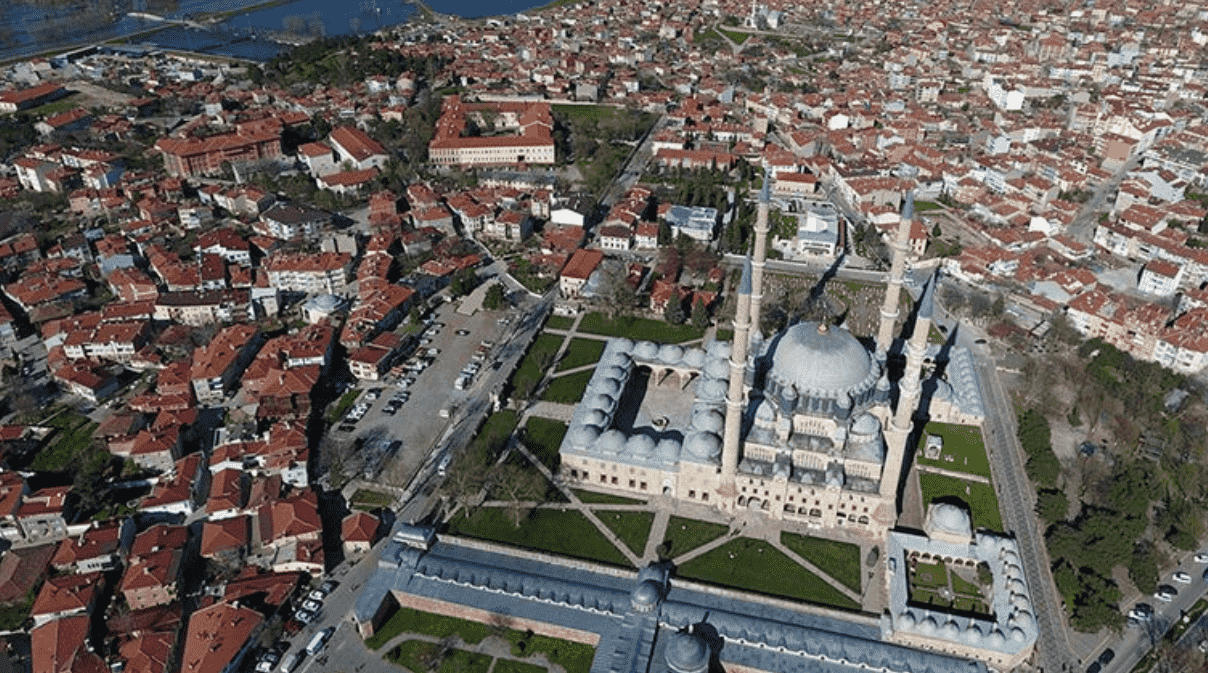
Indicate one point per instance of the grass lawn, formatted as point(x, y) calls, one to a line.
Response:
point(962, 443)
point(632, 527)
point(603, 498)
point(929, 576)
point(960, 586)
point(406, 620)
point(464, 661)
point(559, 322)
point(970, 605)
point(366, 499)
point(724, 334)
point(346, 400)
point(735, 36)
point(567, 389)
point(983, 504)
point(924, 206)
point(684, 535)
point(55, 107)
point(755, 565)
point(543, 437)
point(567, 533)
point(580, 352)
point(532, 368)
point(413, 654)
point(513, 666)
point(638, 328)
point(574, 657)
point(840, 560)
point(72, 440)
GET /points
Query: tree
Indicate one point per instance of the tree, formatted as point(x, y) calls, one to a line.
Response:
point(1051, 505)
point(1143, 568)
point(520, 486)
point(674, 313)
point(463, 282)
point(495, 298)
point(700, 314)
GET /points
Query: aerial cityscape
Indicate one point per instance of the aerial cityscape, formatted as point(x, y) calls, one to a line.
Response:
point(603, 336)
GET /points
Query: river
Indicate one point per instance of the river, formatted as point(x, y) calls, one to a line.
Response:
point(29, 27)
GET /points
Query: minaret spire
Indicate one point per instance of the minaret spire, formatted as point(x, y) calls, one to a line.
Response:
point(761, 252)
point(909, 391)
point(893, 290)
point(734, 398)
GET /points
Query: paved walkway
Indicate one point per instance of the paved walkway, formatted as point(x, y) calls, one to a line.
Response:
point(965, 476)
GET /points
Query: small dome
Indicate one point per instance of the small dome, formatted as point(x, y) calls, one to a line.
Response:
point(694, 357)
point(612, 372)
point(645, 596)
point(1021, 601)
point(703, 445)
point(622, 360)
point(996, 639)
point(1017, 635)
point(687, 653)
point(585, 436)
point(973, 634)
point(1015, 586)
point(719, 349)
point(906, 621)
point(612, 441)
point(713, 390)
point(866, 424)
point(670, 353)
point(603, 402)
point(610, 387)
point(718, 369)
point(622, 345)
point(928, 625)
point(949, 518)
point(646, 350)
point(708, 420)
point(951, 631)
point(594, 417)
point(640, 445)
point(668, 450)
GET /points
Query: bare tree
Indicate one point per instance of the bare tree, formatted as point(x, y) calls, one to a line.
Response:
point(519, 486)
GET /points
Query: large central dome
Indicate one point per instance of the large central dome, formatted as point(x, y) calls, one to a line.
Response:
point(813, 357)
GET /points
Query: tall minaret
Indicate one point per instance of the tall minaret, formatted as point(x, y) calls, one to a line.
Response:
point(761, 253)
point(900, 246)
point(734, 402)
point(909, 390)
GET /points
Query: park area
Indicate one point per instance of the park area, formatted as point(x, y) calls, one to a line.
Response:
point(963, 449)
point(980, 498)
point(936, 586)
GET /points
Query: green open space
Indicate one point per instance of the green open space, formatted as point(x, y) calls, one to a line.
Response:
point(581, 352)
point(638, 328)
point(407, 620)
point(568, 388)
point(464, 661)
point(735, 36)
point(72, 439)
point(840, 560)
point(369, 500)
point(414, 655)
point(543, 437)
point(924, 206)
point(755, 565)
point(962, 443)
point(929, 576)
point(632, 527)
point(684, 535)
point(574, 657)
point(594, 498)
point(559, 322)
point(52, 108)
point(536, 361)
point(724, 334)
point(983, 504)
point(568, 533)
point(961, 586)
point(513, 666)
point(342, 406)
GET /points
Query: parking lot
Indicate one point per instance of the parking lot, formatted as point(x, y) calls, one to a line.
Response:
point(418, 423)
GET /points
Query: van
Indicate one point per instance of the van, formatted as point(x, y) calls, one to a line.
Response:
point(317, 643)
point(291, 662)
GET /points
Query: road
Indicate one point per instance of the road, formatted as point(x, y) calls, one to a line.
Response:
point(1083, 226)
point(1135, 643)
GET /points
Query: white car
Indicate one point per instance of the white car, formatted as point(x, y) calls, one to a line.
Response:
point(1182, 577)
point(1165, 594)
point(312, 606)
point(1201, 557)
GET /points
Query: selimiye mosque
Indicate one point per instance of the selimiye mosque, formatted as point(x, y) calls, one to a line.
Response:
point(805, 427)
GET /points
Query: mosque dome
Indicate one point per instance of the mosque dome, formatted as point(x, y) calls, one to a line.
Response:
point(671, 353)
point(646, 350)
point(585, 436)
point(708, 420)
point(815, 357)
point(694, 357)
point(640, 445)
point(622, 345)
point(645, 596)
point(687, 653)
point(951, 519)
point(703, 445)
point(866, 424)
point(668, 450)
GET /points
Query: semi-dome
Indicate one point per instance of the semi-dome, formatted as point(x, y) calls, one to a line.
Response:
point(816, 357)
point(949, 518)
point(687, 653)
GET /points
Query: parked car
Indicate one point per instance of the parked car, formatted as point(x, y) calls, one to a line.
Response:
point(1106, 657)
point(1182, 577)
point(1165, 593)
point(1201, 557)
point(311, 605)
point(1141, 612)
point(304, 616)
point(317, 595)
point(267, 662)
point(462, 332)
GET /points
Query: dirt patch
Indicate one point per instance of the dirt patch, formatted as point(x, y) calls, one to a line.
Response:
point(92, 95)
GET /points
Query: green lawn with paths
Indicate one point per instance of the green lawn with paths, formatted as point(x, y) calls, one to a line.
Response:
point(407, 620)
point(684, 535)
point(983, 504)
point(532, 368)
point(580, 352)
point(464, 661)
point(754, 565)
point(568, 533)
point(72, 439)
point(632, 527)
point(638, 329)
point(929, 576)
point(567, 389)
point(963, 443)
point(369, 500)
point(574, 657)
point(559, 322)
point(840, 560)
point(412, 654)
